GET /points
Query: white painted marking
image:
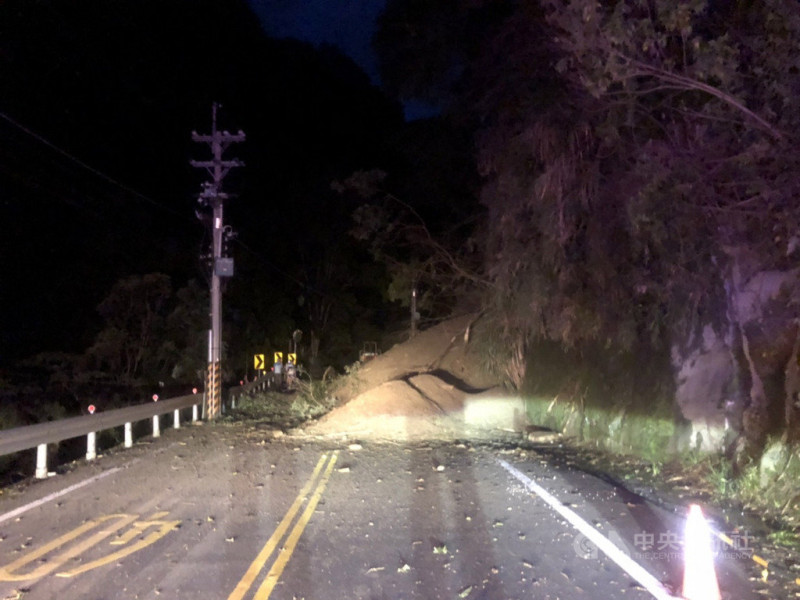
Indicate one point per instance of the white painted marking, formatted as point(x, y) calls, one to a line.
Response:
point(630, 566)
point(54, 495)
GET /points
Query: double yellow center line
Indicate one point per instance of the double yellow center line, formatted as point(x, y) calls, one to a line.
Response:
point(317, 482)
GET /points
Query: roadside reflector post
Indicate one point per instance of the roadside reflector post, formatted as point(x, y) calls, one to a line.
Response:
point(91, 446)
point(156, 427)
point(176, 419)
point(128, 435)
point(41, 461)
point(194, 413)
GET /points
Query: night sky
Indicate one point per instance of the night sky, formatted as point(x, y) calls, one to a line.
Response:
point(98, 106)
point(347, 24)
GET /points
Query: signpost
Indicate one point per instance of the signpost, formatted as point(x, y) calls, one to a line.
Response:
point(258, 362)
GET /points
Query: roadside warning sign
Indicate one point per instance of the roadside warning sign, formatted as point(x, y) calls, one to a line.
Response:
point(258, 362)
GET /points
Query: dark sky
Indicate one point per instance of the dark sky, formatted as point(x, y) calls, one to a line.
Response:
point(347, 24)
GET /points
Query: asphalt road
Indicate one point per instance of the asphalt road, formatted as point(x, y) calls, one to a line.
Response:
point(227, 512)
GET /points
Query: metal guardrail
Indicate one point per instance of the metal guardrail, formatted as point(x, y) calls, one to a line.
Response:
point(39, 435)
point(260, 384)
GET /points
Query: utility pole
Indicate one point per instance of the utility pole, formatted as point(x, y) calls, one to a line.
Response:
point(414, 314)
point(213, 196)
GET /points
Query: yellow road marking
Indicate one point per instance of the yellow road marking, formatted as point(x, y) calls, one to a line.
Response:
point(10, 572)
point(258, 564)
point(255, 567)
point(7, 573)
point(280, 563)
point(726, 539)
point(138, 528)
point(755, 557)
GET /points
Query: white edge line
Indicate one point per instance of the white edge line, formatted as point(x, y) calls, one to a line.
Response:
point(630, 566)
point(54, 495)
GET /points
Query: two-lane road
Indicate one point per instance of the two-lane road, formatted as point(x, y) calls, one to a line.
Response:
point(226, 512)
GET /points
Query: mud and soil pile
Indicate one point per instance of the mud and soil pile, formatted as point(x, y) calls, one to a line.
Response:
point(417, 389)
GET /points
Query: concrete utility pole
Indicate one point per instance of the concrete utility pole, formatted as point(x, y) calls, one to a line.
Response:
point(213, 196)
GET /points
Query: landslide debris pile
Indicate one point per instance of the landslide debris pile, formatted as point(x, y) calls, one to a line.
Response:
point(419, 389)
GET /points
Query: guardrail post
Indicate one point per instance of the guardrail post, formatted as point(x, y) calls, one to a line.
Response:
point(176, 419)
point(41, 461)
point(194, 413)
point(128, 435)
point(91, 446)
point(156, 428)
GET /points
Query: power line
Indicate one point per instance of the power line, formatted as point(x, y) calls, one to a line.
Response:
point(90, 168)
point(269, 263)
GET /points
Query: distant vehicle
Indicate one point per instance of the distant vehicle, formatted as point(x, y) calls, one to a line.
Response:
point(368, 352)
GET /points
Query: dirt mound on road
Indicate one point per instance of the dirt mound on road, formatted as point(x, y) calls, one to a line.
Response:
point(421, 388)
point(443, 348)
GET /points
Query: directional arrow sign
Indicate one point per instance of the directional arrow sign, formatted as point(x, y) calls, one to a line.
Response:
point(258, 362)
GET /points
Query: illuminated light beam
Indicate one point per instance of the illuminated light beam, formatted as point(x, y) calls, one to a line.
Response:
point(630, 566)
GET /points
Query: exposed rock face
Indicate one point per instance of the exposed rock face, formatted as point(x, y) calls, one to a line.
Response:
point(764, 308)
point(743, 382)
point(705, 373)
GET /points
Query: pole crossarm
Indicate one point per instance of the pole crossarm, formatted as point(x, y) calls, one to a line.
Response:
point(210, 164)
point(222, 136)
